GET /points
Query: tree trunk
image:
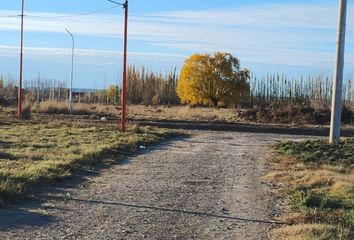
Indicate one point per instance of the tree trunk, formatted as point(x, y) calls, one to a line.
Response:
point(215, 103)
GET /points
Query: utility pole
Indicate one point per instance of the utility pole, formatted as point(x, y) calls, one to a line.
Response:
point(20, 97)
point(72, 71)
point(124, 85)
point(338, 76)
point(124, 93)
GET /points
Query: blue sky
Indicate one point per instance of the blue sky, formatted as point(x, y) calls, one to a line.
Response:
point(268, 36)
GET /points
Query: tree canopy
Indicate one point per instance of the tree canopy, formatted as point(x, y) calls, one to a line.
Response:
point(113, 94)
point(213, 80)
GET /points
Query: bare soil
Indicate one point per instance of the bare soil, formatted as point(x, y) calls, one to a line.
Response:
point(207, 186)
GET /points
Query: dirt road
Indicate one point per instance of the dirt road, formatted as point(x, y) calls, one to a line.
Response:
point(203, 187)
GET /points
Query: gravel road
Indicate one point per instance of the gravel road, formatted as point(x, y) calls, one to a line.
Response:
point(206, 186)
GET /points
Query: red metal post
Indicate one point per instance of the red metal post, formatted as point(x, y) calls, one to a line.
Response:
point(124, 90)
point(21, 63)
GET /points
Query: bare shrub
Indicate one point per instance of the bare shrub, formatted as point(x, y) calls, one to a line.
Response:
point(26, 110)
point(52, 107)
point(56, 107)
point(156, 100)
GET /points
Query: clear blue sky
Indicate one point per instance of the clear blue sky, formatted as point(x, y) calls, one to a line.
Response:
point(292, 37)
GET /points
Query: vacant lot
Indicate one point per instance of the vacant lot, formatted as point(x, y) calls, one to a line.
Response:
point(199, 186)
point(31, 154)
point(275, 113)
point(206, 186)
point(319, 181)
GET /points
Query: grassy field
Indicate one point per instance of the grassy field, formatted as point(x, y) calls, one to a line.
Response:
point(31, 154)
point(319, 180)
point(137, 112)
point(56, 107)
point(276, 113)
point(182, 113)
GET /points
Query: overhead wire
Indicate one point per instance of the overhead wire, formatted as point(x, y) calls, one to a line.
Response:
point(61, 16)
point(73, 15)
point(9, 16)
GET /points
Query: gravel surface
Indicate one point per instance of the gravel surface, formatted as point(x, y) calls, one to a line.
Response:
point(204, 187)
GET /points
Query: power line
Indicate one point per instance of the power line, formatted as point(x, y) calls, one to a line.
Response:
point(73, 15)
point(121, 4)
point(62, 16)
point(9, 16)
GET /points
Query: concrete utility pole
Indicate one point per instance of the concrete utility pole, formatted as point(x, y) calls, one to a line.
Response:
point(338, 76)
point(72, 71)
point(20, 97)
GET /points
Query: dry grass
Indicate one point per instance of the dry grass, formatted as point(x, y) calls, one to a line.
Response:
point(276, 113)
point(320, 184)
point(26, 111)
point(182, 113)
point(56, 107)
point(304, 232)
point(35, 153)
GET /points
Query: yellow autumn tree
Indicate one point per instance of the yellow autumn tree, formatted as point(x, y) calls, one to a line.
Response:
point(113, 94)
point(213, 80)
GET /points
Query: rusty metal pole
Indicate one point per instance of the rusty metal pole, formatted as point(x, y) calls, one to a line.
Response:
point(20, 97)
point(124, 90)
point(124, 84)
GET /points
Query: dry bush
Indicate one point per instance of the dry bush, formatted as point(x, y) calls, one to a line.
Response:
point(52, 107)
point(56, 107)
point(293, 113)
point(26, 109)
point(156, 100)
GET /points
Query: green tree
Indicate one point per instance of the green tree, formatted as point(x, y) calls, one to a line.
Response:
point(213, 80)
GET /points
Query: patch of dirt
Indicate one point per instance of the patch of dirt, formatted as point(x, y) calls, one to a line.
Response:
point(204, 187)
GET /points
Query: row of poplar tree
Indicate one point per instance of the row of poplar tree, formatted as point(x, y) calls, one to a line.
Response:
point(143, 87)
